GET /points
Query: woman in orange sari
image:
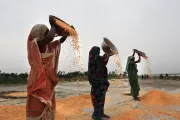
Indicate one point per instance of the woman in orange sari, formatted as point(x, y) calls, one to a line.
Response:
point(43, 56)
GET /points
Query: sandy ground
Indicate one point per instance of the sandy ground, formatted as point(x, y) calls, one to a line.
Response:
point(160, 100)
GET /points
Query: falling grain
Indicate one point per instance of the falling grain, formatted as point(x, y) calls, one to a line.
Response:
point(75, 43)
point(148, 68)
point(118, 63)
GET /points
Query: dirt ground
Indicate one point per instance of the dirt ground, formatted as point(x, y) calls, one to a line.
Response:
point(160, 100)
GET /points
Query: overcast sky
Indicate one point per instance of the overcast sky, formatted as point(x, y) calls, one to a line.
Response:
point(152, 26)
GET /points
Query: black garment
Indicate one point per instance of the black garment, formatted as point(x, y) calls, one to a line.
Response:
point(98, 94)
point(98, 91)
point(142, 76)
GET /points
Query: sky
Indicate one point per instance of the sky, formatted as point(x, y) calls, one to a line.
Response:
point(151, 26)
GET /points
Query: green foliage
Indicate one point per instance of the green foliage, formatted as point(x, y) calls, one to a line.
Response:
point(14, 78)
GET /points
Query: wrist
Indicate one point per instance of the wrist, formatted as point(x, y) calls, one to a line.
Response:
point(62, 39)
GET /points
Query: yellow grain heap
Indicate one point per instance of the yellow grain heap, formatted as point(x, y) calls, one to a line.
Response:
point(16, 94)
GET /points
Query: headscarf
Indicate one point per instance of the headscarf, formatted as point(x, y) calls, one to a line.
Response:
point(93, 57)
point(130, 58)
point(38, 31)
point(34, 57)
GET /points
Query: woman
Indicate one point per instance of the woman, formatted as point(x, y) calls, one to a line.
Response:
point(43, 56)
point(98, 78)
point(132, 71)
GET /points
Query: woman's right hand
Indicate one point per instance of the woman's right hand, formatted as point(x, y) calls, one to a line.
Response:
point(64, 37)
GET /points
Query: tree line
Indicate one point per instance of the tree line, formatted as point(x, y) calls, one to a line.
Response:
point(15, 78)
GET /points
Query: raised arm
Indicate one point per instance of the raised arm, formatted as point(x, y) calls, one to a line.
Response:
point(139, 60)
point(49, 37)
point(133, 53)
point(106, 58)
point(64, 37)
point(51, 34)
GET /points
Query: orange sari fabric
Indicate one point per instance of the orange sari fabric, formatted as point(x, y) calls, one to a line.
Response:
point(42, 80)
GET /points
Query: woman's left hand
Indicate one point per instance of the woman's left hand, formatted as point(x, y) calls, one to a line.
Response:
point(66, 34)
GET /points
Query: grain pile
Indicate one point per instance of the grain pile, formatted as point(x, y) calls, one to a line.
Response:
point(12, 112)
point(157, 97)
point(16, 94)
point(72, 107)
point(67, 108)
point(155, 105)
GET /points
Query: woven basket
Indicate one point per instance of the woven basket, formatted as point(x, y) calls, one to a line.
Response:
point(66, 27)
point(108, 47)
point(141, 53)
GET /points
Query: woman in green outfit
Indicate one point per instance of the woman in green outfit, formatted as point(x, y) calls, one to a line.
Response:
point(132, 71)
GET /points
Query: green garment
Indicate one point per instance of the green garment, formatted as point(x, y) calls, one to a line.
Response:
point(132, 71)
